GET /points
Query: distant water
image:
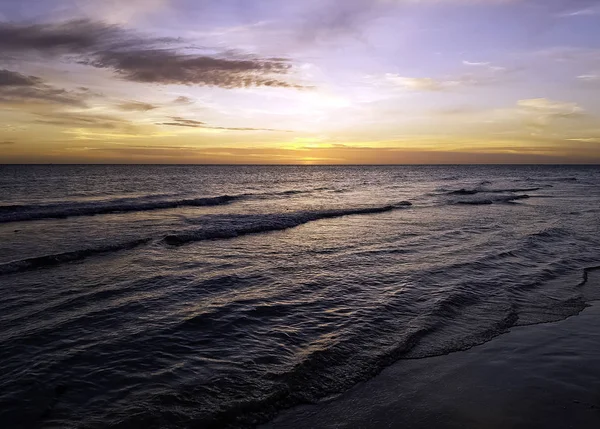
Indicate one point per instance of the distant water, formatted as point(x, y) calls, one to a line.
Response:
point(195, 296)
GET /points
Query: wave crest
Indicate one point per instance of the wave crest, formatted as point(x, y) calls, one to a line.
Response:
point(19, 213)
point(273, 222)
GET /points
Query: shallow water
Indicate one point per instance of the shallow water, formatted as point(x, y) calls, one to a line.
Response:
point(178, 296)
point(545, 376)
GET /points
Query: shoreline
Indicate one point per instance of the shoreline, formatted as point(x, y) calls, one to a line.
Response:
point(535, 376)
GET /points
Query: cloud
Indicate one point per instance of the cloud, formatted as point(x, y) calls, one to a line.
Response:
point(420, 83)
point(177, 121)
point(587, 8)
point(327, 19)
point(476, 64)
point(171, 67)
point(429, 84)
point(10, 78)
point(183, 100)
point(119, 11)
point(485, 65)
point(136, 106)
point(586, 140)
point(17, 88)
point(137, 58)
point(83, 120)
point(547, 106)
point(7, 143)
point(540, 112)
point(589, 78)
point(181, 122)
point(71, 37)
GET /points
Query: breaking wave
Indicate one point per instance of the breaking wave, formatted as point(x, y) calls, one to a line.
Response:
point(25, 212)
point(18, 213)
point(272, 222)
point(243, 225)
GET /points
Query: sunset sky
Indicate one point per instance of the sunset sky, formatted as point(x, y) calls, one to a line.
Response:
point(300, 81)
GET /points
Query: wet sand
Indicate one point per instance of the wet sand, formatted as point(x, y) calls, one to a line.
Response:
point(539, 376)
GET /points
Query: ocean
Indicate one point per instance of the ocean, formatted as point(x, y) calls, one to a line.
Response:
point(217, 296)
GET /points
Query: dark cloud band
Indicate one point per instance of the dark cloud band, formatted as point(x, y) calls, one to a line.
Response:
point(142, 59)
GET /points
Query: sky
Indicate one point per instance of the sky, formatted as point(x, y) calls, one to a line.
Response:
point(300, 81)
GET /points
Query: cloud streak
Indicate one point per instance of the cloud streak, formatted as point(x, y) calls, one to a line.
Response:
point(429, 84)
point(136, 106)
point(83, 120)
point(177, 121)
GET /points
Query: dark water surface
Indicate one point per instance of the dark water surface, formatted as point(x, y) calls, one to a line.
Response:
point(178, 296)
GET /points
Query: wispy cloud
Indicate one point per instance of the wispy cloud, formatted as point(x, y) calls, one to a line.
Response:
point(420, 83)
point(485, 65)
point(439, 84)
point(83, 120)
point(476, 64)
point(183, 100)
point(586, 139)
point(332, 18)
point(546, 106)
point(136, 106)
point(119, 11)
point(586, 11)
point(177, 121)
point(541, 112)
point(589, 78)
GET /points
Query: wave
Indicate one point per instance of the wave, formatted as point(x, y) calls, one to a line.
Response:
point(488, 201)
point(19, 213)
point(549, 233)
point(61, 258)
point(586, 274)
point(24, 212)
point(249, 225)
point(272, 222)
point(547, 179)
point(464, 191)
point(309, 382)
point(324, 372)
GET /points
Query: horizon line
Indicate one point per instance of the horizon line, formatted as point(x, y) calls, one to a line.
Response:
point(301, 164)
